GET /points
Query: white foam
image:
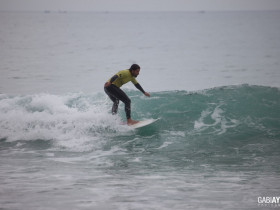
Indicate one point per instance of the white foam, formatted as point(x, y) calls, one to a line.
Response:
point(199, 124)
point(220, 122)
point(165, 144)
point(72, 121)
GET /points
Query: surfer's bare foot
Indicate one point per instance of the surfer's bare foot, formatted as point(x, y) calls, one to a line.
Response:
point(131, 122)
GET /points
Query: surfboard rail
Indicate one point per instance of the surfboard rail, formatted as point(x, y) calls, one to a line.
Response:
point(143, 123)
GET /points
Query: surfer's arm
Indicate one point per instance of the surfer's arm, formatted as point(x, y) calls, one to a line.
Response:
point(107, 84)
point(138, 86)
point(113, 78)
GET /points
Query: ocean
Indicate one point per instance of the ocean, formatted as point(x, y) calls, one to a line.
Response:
point(214, 81)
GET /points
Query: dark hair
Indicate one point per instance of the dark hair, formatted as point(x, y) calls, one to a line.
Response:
point(134, 67)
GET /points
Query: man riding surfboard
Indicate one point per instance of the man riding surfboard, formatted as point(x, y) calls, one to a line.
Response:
point(112, 89)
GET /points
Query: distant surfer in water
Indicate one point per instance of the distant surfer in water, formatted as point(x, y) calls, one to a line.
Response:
point(112, 89)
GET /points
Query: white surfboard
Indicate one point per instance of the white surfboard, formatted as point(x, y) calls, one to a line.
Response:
point(143, 123)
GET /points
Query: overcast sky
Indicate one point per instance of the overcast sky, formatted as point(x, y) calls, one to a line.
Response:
point(138, 5)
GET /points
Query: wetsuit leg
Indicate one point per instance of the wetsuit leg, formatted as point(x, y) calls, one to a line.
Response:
point(117, 94)
point(115, 106)
point(115, 103)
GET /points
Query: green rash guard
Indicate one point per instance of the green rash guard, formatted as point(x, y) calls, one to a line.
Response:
point(123, 77)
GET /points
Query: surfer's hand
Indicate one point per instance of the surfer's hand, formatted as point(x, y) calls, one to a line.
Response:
point(147, 94)
point(107, 84)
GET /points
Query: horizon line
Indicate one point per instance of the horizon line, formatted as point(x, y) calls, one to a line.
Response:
point(135, 11)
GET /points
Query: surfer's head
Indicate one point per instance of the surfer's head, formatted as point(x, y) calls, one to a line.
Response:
point(134, 70)
point(134, 67)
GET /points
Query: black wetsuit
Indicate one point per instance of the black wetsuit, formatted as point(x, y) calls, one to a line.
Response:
point(116, 94)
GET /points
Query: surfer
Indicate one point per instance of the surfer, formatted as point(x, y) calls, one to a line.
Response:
point(112, 89)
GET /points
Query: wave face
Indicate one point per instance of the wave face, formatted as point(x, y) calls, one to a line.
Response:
point(234, 124)
point(226, 122)
point(224, 116)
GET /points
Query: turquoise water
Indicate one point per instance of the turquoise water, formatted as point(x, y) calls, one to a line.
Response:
point(215, 148)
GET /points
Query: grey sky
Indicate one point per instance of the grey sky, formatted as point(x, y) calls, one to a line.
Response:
point(138, 5)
